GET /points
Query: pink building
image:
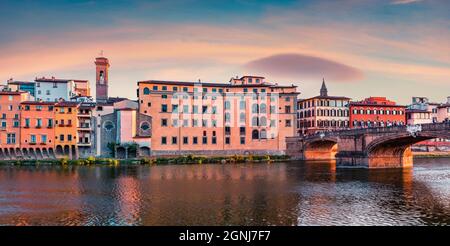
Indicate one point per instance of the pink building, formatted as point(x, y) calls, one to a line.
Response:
point(246, 115)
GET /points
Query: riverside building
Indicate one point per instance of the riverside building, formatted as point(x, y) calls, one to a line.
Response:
point(376, 112)
point(245, 116)
point(322, 113)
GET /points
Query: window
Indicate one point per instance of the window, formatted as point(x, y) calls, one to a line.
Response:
point(288, 123)
point(242, 105)
point(242, 130)
point(205, 123)
point(227, 104)
point(194, 140)
point(174, 140)
point(69, 137)
point(242, 140)
point(287, 109)
point(146, 91)
point(39, 123)
point(255, 134)
point(108, 125)
point(33, 139)
point(163, 140)
point(185, 109)
point(227, 130)
point(61, 137)
point(50, 123)
point(205, 140)
point(164, 96)
point(47, 92)
point(255, 108)
point(43, 138)
point(145, 126)
point(204, 109)
point(214, 110)
point(185, 140)
point(27, 122)
point(174, 88)
point(164, 108)
point(272, 109)
point(185, 123)
point(195, 109)
point(155, 88)
point(242, 117)
point(3, 124)
point(195, 123)
point(227, 117)
point(174, 108)
point(175, 122)
point(16, 124)
point(163, 122)
point(11, 138)
point(164, 88)
point(227, 140)
point(185, 89)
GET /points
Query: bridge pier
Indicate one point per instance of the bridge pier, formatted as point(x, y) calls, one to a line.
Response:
point(359, 159)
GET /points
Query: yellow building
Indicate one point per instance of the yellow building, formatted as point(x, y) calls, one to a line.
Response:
point(66, 123)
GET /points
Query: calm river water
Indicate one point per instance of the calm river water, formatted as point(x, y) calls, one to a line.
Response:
point(296, 193)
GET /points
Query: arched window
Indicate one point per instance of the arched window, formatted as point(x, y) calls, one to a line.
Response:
point(242, 117)
point(146, 91)
point(227, 117)
point(263, 108)
point(108, 125)
point(263, 134)
point(255, 121)
point(263, 121)
point(255, 134)
point(255, 108)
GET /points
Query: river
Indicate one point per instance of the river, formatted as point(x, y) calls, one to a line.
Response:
point(293, 193)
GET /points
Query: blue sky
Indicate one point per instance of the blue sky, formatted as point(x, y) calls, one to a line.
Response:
point(393, 48)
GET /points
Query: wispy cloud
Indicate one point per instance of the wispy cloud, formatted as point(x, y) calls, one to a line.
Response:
point(398, 2)
point(298, 66)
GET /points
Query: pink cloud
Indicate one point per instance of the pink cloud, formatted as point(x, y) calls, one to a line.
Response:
point(398, 2)
point(303, 66)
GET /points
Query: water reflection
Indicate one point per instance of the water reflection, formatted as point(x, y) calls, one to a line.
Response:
point(312, 193)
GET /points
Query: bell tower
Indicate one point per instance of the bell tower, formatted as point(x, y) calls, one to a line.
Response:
point(101, 78)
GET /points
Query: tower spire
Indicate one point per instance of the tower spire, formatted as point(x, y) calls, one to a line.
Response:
point(323, 90)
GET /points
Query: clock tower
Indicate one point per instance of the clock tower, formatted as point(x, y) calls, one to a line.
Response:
point(101, 78)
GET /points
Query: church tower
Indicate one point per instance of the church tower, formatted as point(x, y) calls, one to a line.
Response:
point(323, 90)
point(101, 78)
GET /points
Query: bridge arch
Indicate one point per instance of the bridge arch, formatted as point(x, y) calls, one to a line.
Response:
point(395, 149)
point(320, 149)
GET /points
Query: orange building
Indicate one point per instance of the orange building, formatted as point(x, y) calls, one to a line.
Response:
point(246, 115)
point(66, 124)
point(376, 112)
point(37, 132)
point(10, 121)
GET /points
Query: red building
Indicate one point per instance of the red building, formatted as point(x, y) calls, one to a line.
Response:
point(376, 112)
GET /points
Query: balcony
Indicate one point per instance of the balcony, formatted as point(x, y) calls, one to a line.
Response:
point(32, 143)
point(38, 126)
point(43, 143)
point(87, 115)
point(50, 126)
point(84, 144)
point(2, 128)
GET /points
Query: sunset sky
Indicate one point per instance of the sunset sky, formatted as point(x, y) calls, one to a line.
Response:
point(392, 48)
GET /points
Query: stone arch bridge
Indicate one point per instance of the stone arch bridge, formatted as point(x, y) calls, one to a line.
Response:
point(383, 147)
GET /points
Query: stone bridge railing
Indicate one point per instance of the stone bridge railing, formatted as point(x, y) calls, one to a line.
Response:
point(375, 130)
